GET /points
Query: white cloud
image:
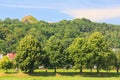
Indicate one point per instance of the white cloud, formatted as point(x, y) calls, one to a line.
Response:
point(25, 6)
point(95, 14)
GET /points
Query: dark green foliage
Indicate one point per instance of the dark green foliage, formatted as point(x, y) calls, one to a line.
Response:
point(76, 50)
point(99, 51)
point(116, 59)
point(91, 51)
point(54, 49)
point(11, 31)
point(55, 38)
point(28, 54)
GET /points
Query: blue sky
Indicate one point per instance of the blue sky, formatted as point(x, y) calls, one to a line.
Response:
point(55, 10)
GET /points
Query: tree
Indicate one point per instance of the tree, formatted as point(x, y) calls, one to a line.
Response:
point(117, 59)
point(5, 63)
point(99, 50)
point(76, 50)
point(54, 51)
point(28, 53)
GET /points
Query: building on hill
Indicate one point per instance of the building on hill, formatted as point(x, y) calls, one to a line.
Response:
point(11, 56)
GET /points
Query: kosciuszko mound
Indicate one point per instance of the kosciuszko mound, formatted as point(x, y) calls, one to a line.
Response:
point(29, 19)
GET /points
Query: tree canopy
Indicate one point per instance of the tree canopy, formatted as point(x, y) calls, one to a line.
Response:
point(28, 53)
point(52, 40)
point(6, 63)
point(76, 50)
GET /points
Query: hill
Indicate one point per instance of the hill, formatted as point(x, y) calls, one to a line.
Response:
point(12, 31)
point(29, 19)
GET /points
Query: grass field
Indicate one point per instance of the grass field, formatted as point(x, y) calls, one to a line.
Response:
point(60, 75)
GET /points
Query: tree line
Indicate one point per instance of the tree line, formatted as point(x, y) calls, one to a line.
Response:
point(79, 43)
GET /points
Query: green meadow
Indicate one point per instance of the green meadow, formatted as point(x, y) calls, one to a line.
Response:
point(60, 75)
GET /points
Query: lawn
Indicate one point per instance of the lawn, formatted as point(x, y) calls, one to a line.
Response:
point(60, 75)
point(57, 78)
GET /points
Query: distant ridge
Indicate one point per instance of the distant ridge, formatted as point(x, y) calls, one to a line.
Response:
point(29, 19)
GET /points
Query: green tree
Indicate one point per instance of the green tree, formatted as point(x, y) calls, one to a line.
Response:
point(54, 51)
point(98, 51)
point(117, 59)
point(28, 53)
point(76, 50)
point(5, 63)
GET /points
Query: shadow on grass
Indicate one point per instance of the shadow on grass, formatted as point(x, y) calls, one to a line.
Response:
point(11, 72)
point(84, 74)
point(101, 74)
point(42, 74)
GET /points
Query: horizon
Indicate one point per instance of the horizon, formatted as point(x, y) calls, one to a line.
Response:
point(101, 11)
point(59, 20)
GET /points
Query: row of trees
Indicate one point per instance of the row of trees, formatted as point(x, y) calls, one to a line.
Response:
point(90, 52)
point(82, 53)
point(85, 52)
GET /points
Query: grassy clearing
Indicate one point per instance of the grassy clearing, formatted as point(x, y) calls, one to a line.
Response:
point(60, 75)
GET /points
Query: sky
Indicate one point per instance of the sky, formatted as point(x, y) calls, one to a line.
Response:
point(107, 11)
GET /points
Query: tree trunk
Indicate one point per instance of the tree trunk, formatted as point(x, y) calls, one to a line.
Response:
point(90, 69)
point(117, 69)
point(55, 69)
point(97, 69)
point(80, 69)
point(31, 71)
point(116, 64)
point(67, 68)
point(31, 67)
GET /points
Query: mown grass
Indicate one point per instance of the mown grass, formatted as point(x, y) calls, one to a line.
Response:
point(57, 78)
point(60, 75)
